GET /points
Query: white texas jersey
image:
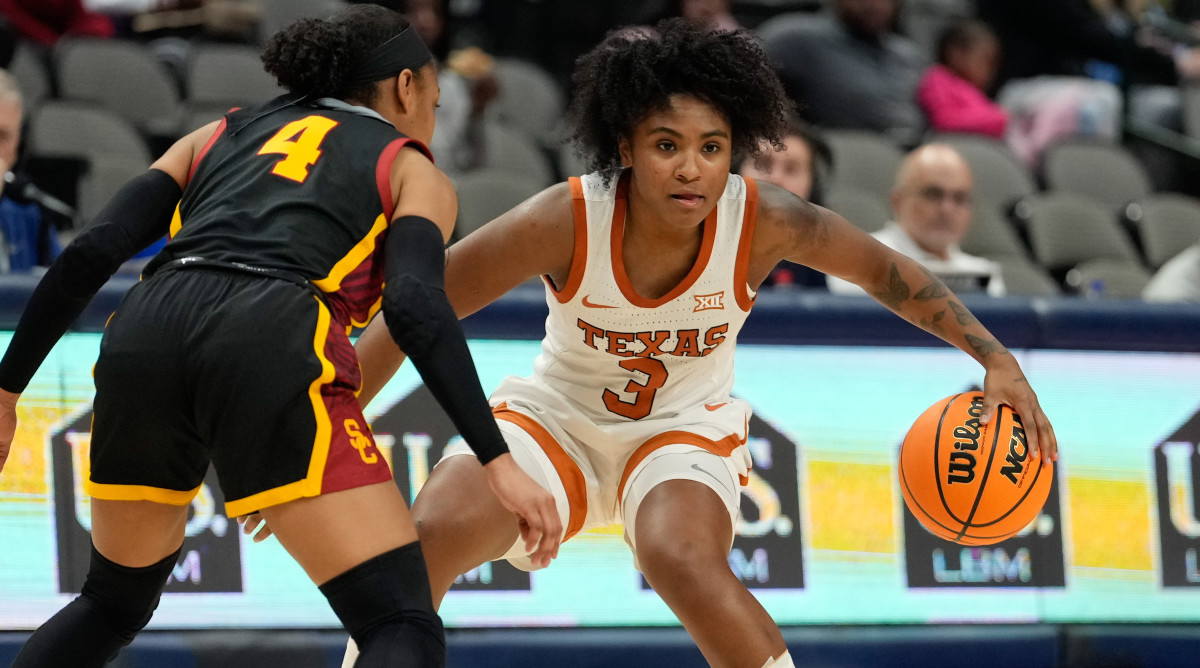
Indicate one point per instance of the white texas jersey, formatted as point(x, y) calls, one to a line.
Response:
point(615, 356)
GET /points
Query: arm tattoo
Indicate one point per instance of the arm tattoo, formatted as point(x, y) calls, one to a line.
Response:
point(985, 347)
point(961, 313)
point(896, 292)
point(934, 290)
point(934, 325)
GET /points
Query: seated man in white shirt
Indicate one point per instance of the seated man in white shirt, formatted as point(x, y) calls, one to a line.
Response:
point(931, 204)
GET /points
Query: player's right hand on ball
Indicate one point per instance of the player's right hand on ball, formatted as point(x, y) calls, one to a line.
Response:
point(541, 528)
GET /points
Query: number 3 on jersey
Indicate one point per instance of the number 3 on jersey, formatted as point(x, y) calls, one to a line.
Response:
point(300, 141)
point(656, 377)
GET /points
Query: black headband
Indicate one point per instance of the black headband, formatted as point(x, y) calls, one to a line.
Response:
point(405, 51)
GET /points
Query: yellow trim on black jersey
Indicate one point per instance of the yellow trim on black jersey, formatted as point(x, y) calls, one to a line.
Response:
point(311, 484)
point(172, 497)
point(176, 223)
point(355, 257)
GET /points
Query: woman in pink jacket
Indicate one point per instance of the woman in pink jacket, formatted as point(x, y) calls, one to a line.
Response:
point(952, 91)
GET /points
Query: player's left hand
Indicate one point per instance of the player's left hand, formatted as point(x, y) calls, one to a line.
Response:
point(1006, 384)
point(250, 522)
point(8, 423)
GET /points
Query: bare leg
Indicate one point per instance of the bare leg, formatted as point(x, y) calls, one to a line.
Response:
point(332, 533)
point(461, 522)
point(683, 538)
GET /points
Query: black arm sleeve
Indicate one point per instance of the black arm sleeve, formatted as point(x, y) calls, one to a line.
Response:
point(424, 325)
point(136, 216)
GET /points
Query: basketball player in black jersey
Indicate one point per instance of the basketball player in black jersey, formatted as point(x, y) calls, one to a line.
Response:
point(285, 221)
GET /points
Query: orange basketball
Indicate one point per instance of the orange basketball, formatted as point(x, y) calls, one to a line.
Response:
point(967, 483)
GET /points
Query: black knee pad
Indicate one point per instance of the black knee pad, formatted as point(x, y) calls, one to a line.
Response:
point(390, 589)
point(127, 596)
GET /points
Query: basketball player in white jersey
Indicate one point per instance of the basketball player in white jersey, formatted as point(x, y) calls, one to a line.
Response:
point(651, 266)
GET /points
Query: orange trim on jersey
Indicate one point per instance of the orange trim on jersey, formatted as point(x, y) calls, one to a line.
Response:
point(171, 497)
point(204, 150)
point(741, 286)
point(579, 255)
point(176, 222)
point(568, 471)
point(618, 259)
point(310, 485)
point(721, 448)
point(357, 255)
point(383, 170)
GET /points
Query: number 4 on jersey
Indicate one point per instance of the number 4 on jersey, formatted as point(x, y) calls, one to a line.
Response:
point(300, 141)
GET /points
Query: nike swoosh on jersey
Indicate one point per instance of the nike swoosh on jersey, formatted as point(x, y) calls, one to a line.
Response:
point(719, 481)
point(590, 304)
point(713, 407)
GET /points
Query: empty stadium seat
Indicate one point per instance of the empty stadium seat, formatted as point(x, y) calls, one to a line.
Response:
point(122, 76)
point(992, 236)
point(1109, 279)
point(1107, 173)
point(227, 75)
point(509, 149)
point(867, 210)
point(73, 129)
point(1024, 278)
point(486, 193)
point(29, 68)
point(865, 161)
point(1066, 229)
point(1165, 224)
point(529, 100)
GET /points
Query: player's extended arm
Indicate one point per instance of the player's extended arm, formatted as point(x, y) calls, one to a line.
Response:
point(136, 216)
point(537, 237)
point(794, 229)
point(423, 324)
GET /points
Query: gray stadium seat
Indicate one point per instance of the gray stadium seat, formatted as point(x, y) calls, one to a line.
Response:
point(866, 161)
point(122, 76)
point(227, 75)
point(72, 129)
point(1166, 223)
point(529, 100)
point(992, 236)
point(485, 194)
point(1024, 278)
point(509, 149)
point(1104, 172)
point(104, 178)
point(924, 20)
point(33, 77)
point(1000, 177)
point(1066, 229)
point(867, 210)
point(277, 14)
point(1109, 279)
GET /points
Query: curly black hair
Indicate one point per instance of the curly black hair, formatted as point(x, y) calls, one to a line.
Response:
point(313, 57)
point(634, 73)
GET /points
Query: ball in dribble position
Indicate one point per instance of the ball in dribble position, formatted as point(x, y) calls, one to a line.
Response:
point(969, 483)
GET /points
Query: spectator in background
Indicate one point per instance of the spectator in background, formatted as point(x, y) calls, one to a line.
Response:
point(708, 14)
point(953, 91)
point(800, 168)
point(45, 21)
point(1178, 280)
point(851, 69)
point(1063, 64)
point(931, 203)
point(468, 86)
point(29, 237)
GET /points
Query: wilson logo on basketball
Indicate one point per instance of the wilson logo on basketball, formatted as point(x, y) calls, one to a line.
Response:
point(713, 302)
point(961, 468)
point(1018, 452)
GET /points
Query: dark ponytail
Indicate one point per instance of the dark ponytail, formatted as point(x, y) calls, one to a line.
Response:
point(315, 57)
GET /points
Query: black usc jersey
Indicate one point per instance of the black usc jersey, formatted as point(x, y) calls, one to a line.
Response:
point(302, 188)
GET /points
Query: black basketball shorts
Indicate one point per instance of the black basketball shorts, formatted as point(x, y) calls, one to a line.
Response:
point(250, 373)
